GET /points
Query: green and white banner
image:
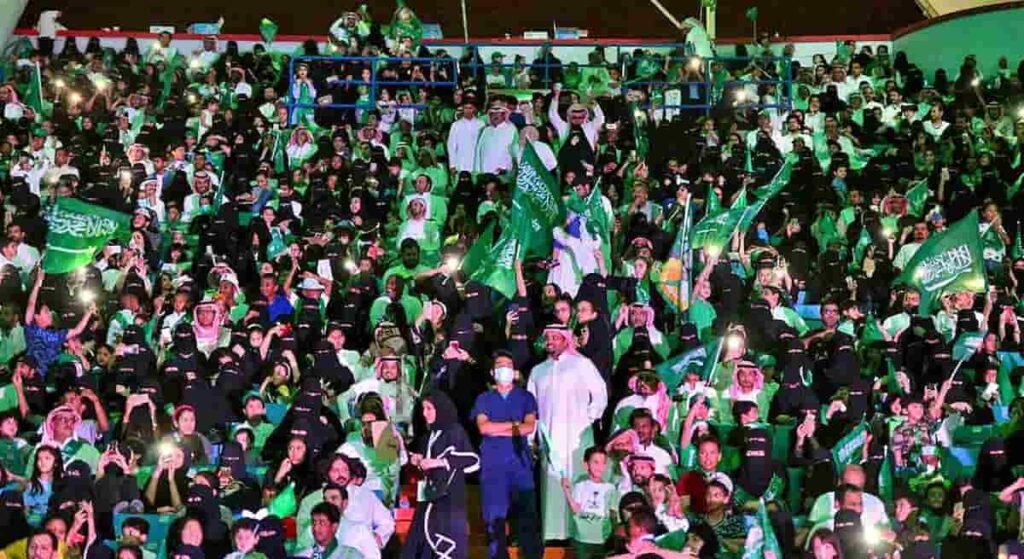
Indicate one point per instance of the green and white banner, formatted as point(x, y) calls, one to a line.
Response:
point(77, 232)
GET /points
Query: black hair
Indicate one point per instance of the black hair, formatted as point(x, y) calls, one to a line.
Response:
point(137, 522)
point(644, 519)
point(592, 451)
point(48, 534)
point(844, 489)
point(327, 510)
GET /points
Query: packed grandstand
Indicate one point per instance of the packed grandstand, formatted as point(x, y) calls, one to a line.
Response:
point(378, 297)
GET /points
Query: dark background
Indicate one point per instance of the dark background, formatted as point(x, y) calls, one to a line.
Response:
point(493, 18)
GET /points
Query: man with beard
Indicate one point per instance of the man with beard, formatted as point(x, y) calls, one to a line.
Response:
point(494, 144)
point(571, 396)
point(641, 469)
point(578, 137)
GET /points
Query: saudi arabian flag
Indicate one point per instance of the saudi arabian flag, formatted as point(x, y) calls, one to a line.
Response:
point(950, 261)
point(497, 269)
point(779, 181)
point(476, 256)
point(536, 206)
point(850, 448)
point(761, 541)
point(714, 231)
point(671, 372)
point(77, 232)
point(917, 198)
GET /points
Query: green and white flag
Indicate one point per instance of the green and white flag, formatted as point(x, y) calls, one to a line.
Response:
point(497, 270)
point(714, 231)
point(917, 198)
point(536, 205)
point(77, 232)
point(850, 448)
point(672, 370)
point(950, 261)
point(966, 345)
point(761, 541)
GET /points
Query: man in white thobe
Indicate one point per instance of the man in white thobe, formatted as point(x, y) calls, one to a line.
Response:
point(462, 139)
point(571, 396)
point(495, 145)
point(579, 117)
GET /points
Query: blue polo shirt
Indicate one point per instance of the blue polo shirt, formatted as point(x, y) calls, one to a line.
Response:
point(500, 451)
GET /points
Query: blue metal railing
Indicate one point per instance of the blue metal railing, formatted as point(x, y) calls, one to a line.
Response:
point(712, 93)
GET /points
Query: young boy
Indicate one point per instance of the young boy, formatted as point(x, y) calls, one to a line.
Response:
point(135, 532)
point(593, 503)
point(245, 534)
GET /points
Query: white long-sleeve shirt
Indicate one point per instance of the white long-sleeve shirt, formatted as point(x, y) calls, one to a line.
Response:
point(591, 128)
point(494, 148)
point(365, 508)
point(48, 26)
point(462, 143)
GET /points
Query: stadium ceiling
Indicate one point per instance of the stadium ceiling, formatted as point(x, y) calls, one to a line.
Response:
point(602, 18)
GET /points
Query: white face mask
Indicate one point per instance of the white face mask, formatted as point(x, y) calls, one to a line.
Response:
point(504, 375)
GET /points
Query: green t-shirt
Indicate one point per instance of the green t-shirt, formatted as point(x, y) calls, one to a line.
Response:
point(703, 316)
point(594, 523)
point(14, 455)
point(8, 398)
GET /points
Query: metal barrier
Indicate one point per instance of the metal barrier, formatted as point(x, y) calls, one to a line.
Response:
point(712, 94)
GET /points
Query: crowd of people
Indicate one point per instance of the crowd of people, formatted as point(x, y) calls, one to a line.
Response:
point(288, 354)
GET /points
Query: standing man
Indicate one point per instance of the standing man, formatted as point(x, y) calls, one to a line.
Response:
point(571, 396)
point(506, 415)
point(462, 139)
point(494, 145)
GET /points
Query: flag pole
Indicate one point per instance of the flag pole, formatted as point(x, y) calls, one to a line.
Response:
point(718, 355)
point(682, 263)
point(465, 23)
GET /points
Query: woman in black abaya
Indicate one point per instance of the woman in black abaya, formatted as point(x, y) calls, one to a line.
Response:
point(445, 456)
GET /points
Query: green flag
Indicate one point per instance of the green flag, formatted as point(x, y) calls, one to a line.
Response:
point(536, 205)
point(1017, 251)
point(268, 30)
point(640, 140)
point(778, 182)
point(849, 448)
point(672, 370)
point(761, 539)
point(713, 205)
point(1015, 187)
point(714, 231)
point(77, 232)
point(950, 261)
point(497, 269)
point(885, 481)
point(917, 198)
point(476, 256)
point(752, 13)
point(967, 344)
point(284, 504)
point(824, 230)
point(672, 541)
point(34, 95)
